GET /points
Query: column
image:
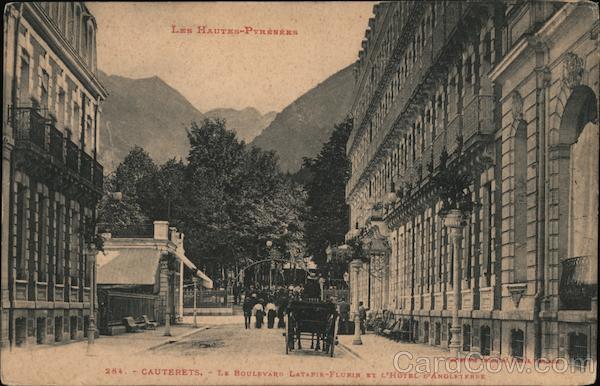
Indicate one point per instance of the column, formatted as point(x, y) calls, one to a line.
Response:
point(453, 222)
point(355, 267)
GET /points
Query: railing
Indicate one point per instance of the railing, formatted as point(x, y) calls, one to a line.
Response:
point(578, 283)
point(86, 166)
point(32, 127)
point(478, 117)
point(454, 130)
point(72, 156)
point(204, 298)
point(98, 175)
point(127, 230)
point(56, 143)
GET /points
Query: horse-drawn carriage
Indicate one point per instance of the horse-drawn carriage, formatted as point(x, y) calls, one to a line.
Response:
point(311, 320)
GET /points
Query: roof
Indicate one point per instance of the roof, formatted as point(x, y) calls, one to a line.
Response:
point(205, 281)
point(134, 266)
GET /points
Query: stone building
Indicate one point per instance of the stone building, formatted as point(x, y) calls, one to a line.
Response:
point(506, 93)
point(51, 179)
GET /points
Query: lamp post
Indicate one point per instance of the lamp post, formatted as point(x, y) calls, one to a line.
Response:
point(195, 281)
point(356, 264)
point(269, 245)
point(453, 221)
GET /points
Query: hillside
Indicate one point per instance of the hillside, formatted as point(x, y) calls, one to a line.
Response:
point(302, 127)
point(145, 112)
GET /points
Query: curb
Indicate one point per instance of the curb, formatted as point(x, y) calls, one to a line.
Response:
point(352, 352)
point(176, 339)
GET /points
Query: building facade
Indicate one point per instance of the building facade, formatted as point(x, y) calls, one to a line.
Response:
point(506, 93)
point(51, 179)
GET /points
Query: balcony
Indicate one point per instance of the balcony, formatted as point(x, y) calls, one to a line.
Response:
point(478, 119)
point(454, 131)
point(578, 283)
point(53, 153)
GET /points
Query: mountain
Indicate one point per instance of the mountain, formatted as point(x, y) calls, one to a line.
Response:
point(149, 113)
point(301, 128)
point(247, 123)
point(145, 112)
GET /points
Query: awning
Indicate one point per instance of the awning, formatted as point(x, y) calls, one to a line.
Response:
point(205, 281)
point(131, 266)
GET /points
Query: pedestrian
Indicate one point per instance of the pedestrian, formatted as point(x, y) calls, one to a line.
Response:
point(281, 306)
point(271, 311)
point(362, 315)
point(247, 307)
point(258, 312)
point(344, 316)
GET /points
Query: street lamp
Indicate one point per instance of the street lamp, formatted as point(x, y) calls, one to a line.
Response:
point(269, 245)
point(195, 281)
point(356, 264)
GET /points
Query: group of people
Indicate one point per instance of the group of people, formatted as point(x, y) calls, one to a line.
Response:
point(265, 302)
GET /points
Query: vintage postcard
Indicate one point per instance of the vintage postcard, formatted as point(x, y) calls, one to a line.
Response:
point(278, 193)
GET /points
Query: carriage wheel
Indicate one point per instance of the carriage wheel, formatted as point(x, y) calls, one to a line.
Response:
point(333, 336)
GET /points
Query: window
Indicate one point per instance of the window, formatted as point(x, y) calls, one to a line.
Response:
point(44, 89)
point(20, 258)
point(24, 78)
point(517, 338)
point(61, 108)
point(42, 259)
point(485, 340)
point(466, 337)
point(520, 170)
point(578, 350)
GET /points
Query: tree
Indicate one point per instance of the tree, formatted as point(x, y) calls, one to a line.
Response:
point(327, 215)
point(136, 179)
point(118, 209)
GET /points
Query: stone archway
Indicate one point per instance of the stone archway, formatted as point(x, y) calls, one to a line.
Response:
point(573, 200)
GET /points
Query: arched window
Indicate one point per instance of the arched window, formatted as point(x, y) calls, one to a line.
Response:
point(579, 199)
point(485, 340)
point(517, 343)
point(520, 170)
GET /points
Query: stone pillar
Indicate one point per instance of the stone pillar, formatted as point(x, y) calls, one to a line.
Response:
point(453, 221)
point(355, 266)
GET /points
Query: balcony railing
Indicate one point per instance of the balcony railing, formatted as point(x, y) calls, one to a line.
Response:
point(478, 117)
point(33, 128)
point(86, 166)
point(30, 125)
point(578, 283)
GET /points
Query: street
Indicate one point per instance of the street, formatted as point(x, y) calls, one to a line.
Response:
point(222, 351)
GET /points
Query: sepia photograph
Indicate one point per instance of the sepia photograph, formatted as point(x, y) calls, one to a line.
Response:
point(300, 193)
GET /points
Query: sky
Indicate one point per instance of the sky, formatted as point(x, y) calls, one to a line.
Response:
point(268, 72)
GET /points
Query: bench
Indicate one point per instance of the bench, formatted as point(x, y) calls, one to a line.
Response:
point(390, 327)
point(150, 324)
point(131, 325)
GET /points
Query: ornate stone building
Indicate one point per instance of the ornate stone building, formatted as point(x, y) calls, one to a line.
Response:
point(505, 93)
point(51, 179)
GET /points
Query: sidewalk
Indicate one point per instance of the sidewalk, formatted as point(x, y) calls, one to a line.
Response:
point(378, 348)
